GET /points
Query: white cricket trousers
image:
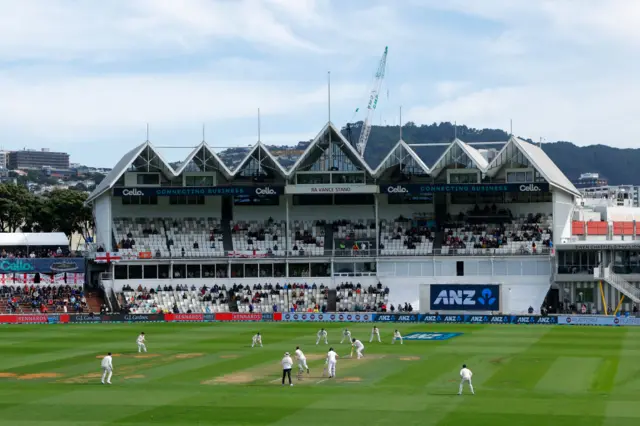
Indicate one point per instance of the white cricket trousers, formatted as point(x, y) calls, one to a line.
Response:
point(462, 382)
point(302, 365)
point(332, 369)
point(359, 353)
point(397, 338)
point(320, 338)
point(348, 337)
point(106, 373)
point(142, 347)
point(375, 334)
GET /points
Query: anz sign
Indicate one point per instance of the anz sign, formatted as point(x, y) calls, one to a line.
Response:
point(465, 297)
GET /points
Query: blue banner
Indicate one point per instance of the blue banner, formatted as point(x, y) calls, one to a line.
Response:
point(262, 190)
point(464, 297)
point(417, 189)
point(330, 317)
point(597, 320)
point(52, 265)
point(488, 319)
point(397, 317)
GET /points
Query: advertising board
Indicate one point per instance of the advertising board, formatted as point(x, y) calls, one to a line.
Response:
point(464, 297)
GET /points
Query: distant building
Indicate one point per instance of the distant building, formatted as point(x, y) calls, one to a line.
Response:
point(32, 159)
point(612, 195)
point(4, 159)
point(589, 180)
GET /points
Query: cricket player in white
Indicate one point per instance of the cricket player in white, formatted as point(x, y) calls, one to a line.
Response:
point(107, 368)
point(359, 348)
point(465, 376)
point(346, 334)
point(257, 340)
point(322, 334)
point(375, 332)
point(141, 346)
point(397, 336)
point(332, 358)
point(302, 362)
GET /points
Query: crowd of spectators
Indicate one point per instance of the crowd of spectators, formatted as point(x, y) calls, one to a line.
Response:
point(144, 296)
point(44, 299)
point(35, 252)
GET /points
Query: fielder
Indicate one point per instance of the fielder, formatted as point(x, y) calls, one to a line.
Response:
point(357, 344)
point(302, 362)
point(107, 368)
point(346, 334)
point(397, 336)
point(465, 376)
point(331, 363)
point(141, 345)
point(375, 332)
point(322, 334)
point(257, 340)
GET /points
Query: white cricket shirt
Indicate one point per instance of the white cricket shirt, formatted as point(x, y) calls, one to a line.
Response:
point(358, 344)
point(106, 362)
point(300, 355)
point(331, 356)
point(287, 363)
point(466, 374)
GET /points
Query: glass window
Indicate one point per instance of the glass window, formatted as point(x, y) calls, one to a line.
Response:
point(237, 271)
point(222, 271)
point(199, 180)
point(120, 272)
point(186, 200)
point(193, 271)
point(320, 269)
point(179, 271)
point(299, 269)
point(279, 270)
point(208, 271)
point(148, 179)
point(266, 270)
point(251, 271)
point(163, 272)
point(135, 272)
point(150, 272)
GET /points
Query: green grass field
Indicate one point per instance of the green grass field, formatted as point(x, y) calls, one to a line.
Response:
point(206, 374)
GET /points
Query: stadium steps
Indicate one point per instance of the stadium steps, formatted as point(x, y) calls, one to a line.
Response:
point(227, 241)
point(94, 301)
point(617, 282)
point(328, 237)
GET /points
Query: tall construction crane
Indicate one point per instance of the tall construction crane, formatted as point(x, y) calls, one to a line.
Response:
point(373, 102)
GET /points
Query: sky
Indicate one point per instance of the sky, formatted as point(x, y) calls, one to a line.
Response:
point(86, 77)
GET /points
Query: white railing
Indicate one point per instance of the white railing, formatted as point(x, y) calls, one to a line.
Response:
point(617, 282)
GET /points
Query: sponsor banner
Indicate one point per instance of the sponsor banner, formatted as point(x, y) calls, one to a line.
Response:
point(328, 317)
point(238, 316)
point(207, 191)
point(91, 319)
point(597, 320)
point(397, 317)
point(331, 189)
point(184, 317)
point(132, 318)
point(430, 336)
point(465, 297)
point(489, 319)
point(34, 319)
point(617, 245)
point(42, 265)
point(417, 189)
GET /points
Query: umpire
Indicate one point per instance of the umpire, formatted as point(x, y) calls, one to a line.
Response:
point(287, 363)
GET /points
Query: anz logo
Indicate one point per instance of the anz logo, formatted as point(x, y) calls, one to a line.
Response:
point(465, 298)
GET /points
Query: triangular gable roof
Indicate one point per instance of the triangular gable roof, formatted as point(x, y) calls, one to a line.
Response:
point(351, 152)
point(122, 166)
point(260, 146)
point(538, 160)
point(476, 158)
point(203, 145)
point(400, 145)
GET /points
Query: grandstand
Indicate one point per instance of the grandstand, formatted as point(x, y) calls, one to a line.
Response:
point(474, 217)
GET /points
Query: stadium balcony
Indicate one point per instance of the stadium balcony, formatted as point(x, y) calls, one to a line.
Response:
point(259, 236)
point(263, 300)
point(140, 235)
point(176, 301)
point(306, 238)
point(522, 235)
point(399, 238)
point(194, 237)
point(361, 300)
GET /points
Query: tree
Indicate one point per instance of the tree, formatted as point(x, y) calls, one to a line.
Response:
point(69, 213)
point(14, 201)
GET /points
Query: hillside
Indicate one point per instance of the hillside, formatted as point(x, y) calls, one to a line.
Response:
point(615, 164)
